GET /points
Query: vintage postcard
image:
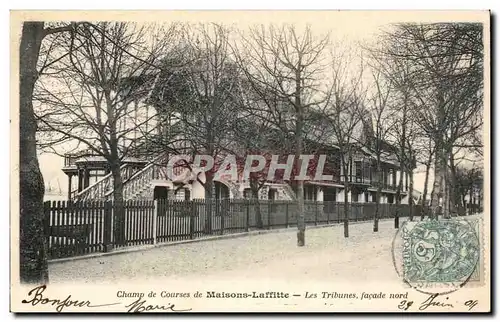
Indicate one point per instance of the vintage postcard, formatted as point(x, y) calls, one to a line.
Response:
point(250, 161)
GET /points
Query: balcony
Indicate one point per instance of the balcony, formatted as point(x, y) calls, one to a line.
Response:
point(359, 180)
point(385, 185)
point(71, 158)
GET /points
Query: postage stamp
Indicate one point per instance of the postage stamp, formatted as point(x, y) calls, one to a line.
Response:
point(440, 256)
point(441, 251)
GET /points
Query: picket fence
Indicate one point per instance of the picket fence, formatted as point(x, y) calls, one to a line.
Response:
point(78, 228)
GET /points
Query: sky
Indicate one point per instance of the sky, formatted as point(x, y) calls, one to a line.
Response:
point(346, 28)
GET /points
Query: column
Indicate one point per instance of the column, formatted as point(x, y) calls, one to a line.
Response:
point(86, 179)
point(340, 195)
point(320, 194)
point(341, 170)
point(80, 180)
point(69, 186)
point(398, 176)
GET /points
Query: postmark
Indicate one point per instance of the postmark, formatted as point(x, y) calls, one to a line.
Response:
point(438, 256)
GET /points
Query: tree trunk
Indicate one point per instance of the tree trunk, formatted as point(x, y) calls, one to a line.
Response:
point(346, 207)
point(446, 196)
point(471, 191)
point(398, 199)
point(301, 225)
point(32, 238)
point(426, 185)
point(437, 189)
point(453, 187)
point(254, 186)
point(426, 181)
point(410, 197)
point(209, 183)
point(378, 195)
point(118, 204)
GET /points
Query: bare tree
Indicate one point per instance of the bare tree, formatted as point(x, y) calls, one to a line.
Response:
point(382, 123)
point(202, 96)
point(90, 97)
point(32, 241)
point(253, 136)
point(285, 67)
point(446, 66)
point(403, 132)
point(344, 114)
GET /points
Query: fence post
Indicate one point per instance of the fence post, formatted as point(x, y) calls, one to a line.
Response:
point(155, 221)
point(46, 221)
point(222, 209)
point(316, 213)
point(46, 218)
point(268, 212)
point(108, 226)
point(247, 224)
point(286, 213)
point(191, 219)
point(396, 218)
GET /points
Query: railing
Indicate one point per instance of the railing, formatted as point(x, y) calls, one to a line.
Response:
point(101, 189)
point(139, 180)
point(69, 159)
point(385, 185)
point(287, 190)
point(355, 179)
point(155, 170)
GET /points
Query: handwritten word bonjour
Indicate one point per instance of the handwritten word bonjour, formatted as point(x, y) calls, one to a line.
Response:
point(37, 298)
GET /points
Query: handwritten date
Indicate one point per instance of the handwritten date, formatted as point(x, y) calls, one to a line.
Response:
point(432, 301)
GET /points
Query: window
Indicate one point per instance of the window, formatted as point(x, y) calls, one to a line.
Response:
point(247, 193)
point(310, 193)
point(272, 194)
point(354, 197)
point(182, 193)
point(358, 170)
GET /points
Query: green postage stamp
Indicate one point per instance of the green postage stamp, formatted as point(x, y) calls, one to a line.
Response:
point(444, 252)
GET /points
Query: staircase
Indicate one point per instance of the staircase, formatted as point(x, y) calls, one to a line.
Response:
point(139, 185)
point(287, 191)
point(103, 188)
point(134, 183)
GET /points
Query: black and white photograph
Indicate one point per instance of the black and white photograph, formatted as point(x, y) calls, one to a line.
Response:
point(250, 161)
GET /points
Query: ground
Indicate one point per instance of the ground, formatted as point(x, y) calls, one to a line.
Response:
point(363, 257)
